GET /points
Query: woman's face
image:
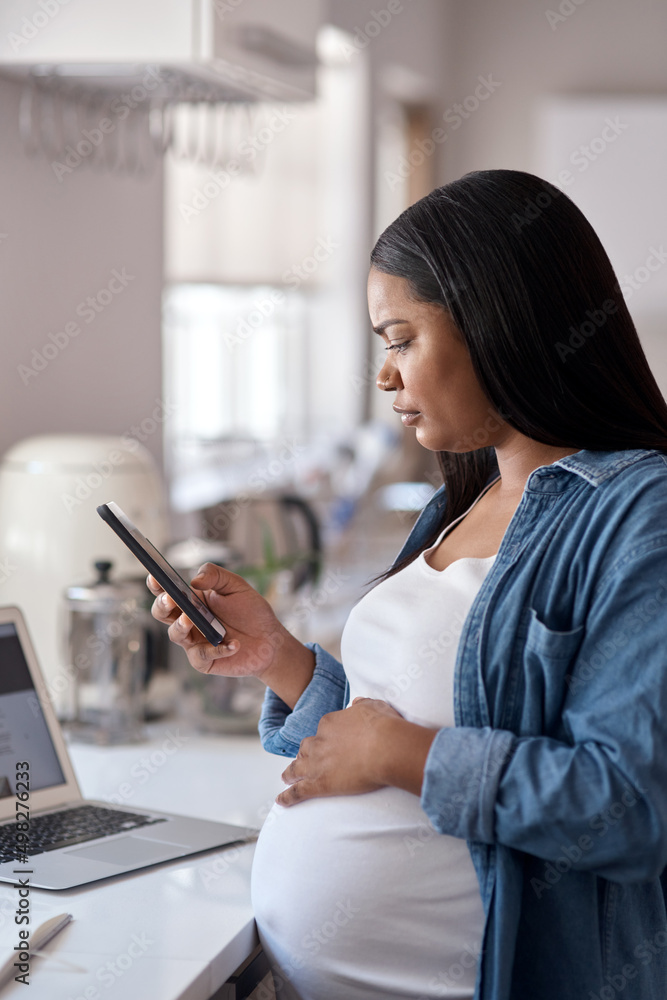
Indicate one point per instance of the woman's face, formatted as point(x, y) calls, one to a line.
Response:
point(429, 369)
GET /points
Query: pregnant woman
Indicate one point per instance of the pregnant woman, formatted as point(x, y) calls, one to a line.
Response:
point(476, 804)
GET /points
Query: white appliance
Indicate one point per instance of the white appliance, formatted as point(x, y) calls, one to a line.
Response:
point(224, 50)
point(51, 534)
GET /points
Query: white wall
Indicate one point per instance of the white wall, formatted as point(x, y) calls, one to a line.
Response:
point(412, 35)
point(610, 154)
point(60, 243)
point(408, 44)
point(605, 49)
point(604, 46)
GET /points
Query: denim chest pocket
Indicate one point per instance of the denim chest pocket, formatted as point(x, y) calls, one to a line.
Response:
point(548, 656)
point(550, 643)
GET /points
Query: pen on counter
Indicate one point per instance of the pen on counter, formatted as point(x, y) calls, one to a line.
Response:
point(43, 934)
point(40, 936)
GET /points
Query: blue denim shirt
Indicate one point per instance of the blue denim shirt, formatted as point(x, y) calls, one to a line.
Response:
point(556, 770)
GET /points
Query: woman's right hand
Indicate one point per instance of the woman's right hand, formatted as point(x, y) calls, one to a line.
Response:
point(254, 636)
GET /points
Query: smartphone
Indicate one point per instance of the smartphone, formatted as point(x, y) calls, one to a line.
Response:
point(165, 574)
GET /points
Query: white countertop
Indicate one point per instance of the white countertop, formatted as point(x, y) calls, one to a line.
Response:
point(176, 931)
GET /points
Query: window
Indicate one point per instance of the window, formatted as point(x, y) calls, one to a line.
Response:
point(266, 333)
point(236, 377)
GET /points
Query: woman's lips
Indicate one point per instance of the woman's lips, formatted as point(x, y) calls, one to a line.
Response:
point(408, 417)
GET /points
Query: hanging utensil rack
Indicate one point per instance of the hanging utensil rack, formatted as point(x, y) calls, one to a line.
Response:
point(127, 129)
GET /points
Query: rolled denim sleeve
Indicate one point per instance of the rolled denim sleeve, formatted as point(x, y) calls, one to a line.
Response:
point(597, 794)
point(281, 728)
point(461, 780)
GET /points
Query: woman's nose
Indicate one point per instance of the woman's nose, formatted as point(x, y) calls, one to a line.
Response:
point(388, 378)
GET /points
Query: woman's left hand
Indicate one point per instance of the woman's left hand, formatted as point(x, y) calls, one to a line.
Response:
point(344, 756)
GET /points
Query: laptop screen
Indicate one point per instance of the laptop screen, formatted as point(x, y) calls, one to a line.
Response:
point(24, 735)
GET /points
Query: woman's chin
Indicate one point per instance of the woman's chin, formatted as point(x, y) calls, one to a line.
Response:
point(430, 441)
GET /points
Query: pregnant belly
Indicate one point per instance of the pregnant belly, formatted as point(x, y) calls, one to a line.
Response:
point(358, 896)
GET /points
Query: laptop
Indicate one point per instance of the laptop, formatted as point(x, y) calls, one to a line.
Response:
point(70, 840)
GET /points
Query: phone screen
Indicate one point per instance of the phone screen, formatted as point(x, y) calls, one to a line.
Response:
point(165, 574)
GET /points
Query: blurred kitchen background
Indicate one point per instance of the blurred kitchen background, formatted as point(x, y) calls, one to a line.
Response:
point(189, 193)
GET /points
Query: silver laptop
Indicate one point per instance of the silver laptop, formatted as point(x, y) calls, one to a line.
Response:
point(71, 840)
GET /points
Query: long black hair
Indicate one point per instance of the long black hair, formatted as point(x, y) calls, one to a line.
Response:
point(531, 289)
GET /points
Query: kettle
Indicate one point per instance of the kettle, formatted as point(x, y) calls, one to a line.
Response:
point(109, 624)
point(276, 537)
point(275, 544)
point(50, 533)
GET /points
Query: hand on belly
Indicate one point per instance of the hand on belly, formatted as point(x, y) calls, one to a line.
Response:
point(343, 758)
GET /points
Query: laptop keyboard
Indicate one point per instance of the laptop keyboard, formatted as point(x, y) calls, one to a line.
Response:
point(67, 827)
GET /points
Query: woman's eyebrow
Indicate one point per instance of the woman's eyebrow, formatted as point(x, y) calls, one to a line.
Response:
point(388, 322)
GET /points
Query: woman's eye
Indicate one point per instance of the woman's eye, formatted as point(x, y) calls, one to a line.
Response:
point(398, 347)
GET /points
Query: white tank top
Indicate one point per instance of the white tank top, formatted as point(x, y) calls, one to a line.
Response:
point(357, 896)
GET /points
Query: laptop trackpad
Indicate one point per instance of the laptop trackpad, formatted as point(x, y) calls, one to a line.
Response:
point(128, 851)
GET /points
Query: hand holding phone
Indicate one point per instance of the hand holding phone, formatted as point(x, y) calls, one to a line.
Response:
point(180, 592)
